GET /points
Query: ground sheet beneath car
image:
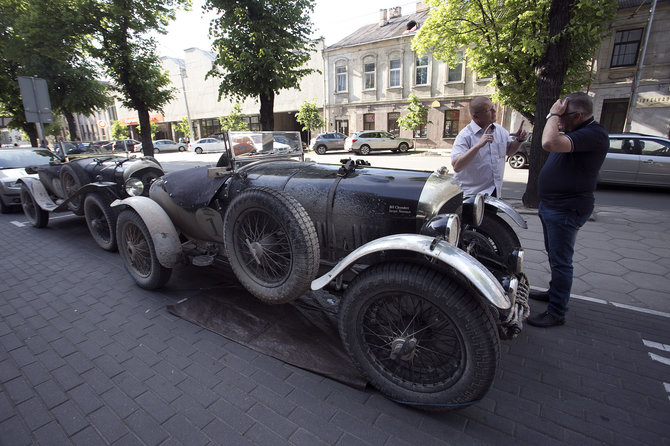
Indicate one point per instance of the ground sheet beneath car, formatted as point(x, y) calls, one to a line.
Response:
point(302, 333)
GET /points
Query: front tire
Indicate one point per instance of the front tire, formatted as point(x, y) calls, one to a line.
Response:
point(198, 150)
point(37, 216)
point(419, 336)
point(137, 250)
point(365, 149)
point(271, 244)
point(321, 150)
point(101, 221)
point(517, 161)
point(72, 180)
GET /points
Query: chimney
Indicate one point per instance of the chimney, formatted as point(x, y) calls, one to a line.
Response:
point(395, 12)
point(382, 17)
point(421, 6)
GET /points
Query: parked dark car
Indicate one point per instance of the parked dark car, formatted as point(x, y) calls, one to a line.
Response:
point(121, 145)
point(13, 163)
point(86, 183)
point(428, 281)
point(522, 156)
point(328, 142)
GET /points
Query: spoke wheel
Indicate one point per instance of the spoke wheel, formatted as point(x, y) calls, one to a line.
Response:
point(418, 336)
point(72, 180)
point(138, 252)
point(37, 216)
point(101, 221)
point(271, 244)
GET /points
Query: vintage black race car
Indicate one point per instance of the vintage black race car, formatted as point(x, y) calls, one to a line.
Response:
point(85, 180)
point(429, 281)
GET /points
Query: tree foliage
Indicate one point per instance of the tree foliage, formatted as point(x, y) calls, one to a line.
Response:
point(234, 120)
point(45, 38)
point(508, 40)
point(120, 131)
point(130, 57)
point(184, 128)
point(308, 116)
point(261, 47)
point(416, 116)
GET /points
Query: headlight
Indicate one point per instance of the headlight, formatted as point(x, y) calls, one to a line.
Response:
point(134, 187)
point(446, 226)
point(478, 210)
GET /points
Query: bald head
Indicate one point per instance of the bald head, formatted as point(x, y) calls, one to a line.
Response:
point(482, 111)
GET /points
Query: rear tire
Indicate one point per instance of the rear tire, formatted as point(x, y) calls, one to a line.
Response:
point(419, 336)
point(271, 244)
point(37, 216)
point(403, 147)
point(182, 148)
point(517, 161)
point(137, 250)
point(365, 149)
point(101, 221)
point(198, 150)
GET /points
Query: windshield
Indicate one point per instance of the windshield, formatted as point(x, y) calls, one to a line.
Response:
point(18, 159)
point(259, 145)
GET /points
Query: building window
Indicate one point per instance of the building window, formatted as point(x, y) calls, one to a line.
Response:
point(392, 122)
point(253, 122)
point(451, 123)
point(420, 132)
point(369, 121)
point(626, 46)
point(210, 126)
point(341, 79)
point(456, 70)
point(421, 77)
point(342, 126)
point(394, 73)
point(613, 115)
point(369, 76)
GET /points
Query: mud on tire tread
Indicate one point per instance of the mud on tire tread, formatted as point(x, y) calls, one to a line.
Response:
point(474, 326)
point(289, 227)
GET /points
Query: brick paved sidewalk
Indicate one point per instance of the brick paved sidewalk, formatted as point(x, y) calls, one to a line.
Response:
point(88, 358)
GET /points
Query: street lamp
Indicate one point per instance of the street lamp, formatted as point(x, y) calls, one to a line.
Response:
point(182, 75)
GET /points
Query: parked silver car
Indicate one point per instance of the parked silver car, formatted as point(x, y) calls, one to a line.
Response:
point(637, 159)
point(167, 145)
point(362, 143)
point(328, 141)
point(207, 145)
point(13, 163)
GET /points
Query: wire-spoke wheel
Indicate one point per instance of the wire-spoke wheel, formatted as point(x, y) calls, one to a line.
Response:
point(37, 216)
point(101, 221)
point(419, 336)
point(72, 180)
point(271, 244)
point(138, 252)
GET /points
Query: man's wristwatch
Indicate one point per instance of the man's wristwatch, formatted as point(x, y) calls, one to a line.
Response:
point(552, 114)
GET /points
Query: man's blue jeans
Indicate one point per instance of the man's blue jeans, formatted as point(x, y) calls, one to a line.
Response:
point(560, 228)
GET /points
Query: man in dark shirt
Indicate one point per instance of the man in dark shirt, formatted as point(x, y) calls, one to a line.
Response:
point(566, 184)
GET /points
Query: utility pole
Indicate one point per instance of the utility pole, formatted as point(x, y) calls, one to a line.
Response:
point(182, 75)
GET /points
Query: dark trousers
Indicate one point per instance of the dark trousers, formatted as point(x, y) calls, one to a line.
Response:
point(560, 227)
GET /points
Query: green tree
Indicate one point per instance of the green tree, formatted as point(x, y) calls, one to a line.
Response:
point(183, 127)
point(154, 129)
point(59, 59)
point(534, 50)
point(261, 48)
point(234, 120)
point(120, 131)
point(130, 56)
point(308, 116)
point(416, 116)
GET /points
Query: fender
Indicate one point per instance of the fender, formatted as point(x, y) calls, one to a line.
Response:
point(478, 276)
point(163, 233)
point(507, 209)
point(44, 201)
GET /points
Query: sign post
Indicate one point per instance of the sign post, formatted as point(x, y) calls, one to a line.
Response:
point(36, 102)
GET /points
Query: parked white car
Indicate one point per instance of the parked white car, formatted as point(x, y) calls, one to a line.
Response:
point(207, 145)
point(362, 143)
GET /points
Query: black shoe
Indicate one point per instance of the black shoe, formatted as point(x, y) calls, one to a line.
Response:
point(539, 295)
point(545, 319)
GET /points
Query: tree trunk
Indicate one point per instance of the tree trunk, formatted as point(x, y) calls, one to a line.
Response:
point(72, 126)
point(550, 74)
point(267, 110)
point(31, 130)
point(145, 131)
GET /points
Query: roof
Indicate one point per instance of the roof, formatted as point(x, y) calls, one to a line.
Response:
point(395, 27)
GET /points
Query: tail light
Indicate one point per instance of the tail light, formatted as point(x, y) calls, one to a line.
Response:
point(353, 140)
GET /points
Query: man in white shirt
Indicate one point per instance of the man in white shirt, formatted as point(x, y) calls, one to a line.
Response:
point(479, 151)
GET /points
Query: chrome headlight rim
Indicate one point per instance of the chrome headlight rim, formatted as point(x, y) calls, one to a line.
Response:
point(134, 187)
point(453, 234)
